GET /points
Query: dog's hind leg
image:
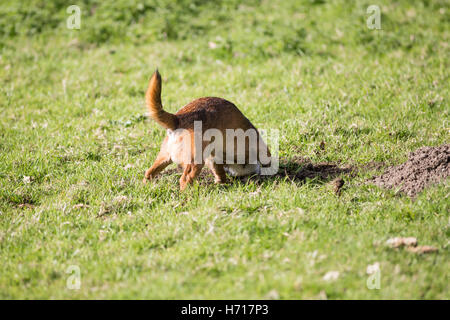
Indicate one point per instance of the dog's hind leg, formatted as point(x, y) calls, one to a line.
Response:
point(161, 162)
point(191, 171)
point(217, 170)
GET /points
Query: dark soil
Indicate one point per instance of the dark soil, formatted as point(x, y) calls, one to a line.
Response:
point(424, 167)
point(338, 183)
point(299, 169)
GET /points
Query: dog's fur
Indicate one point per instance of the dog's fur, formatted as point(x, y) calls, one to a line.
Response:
point(214, 113)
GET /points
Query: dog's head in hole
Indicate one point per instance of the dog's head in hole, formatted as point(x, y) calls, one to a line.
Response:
point(207, 131)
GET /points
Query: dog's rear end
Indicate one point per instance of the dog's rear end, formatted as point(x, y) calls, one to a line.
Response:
point(215, 115)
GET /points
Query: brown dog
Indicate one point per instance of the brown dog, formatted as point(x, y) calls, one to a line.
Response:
point(193, 126)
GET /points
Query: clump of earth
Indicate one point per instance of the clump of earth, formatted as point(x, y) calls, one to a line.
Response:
point(425, 166)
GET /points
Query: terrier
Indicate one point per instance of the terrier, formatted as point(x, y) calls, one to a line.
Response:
point(190, 130)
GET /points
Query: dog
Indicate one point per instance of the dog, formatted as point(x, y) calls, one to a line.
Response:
point(190, 130)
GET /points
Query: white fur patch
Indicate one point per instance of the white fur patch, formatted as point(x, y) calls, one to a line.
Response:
point(239, 170)
point(178, 145)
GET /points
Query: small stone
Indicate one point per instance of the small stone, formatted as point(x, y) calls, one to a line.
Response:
point(400, 242)
point(422, 249)
point(331, 276)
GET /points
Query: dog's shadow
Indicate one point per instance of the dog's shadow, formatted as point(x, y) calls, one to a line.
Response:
point(297, 170)
point(300, 170)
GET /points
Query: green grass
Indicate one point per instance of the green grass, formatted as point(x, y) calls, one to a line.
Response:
point(72, 119)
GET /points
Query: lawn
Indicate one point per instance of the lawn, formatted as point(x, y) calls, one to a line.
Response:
point(75, 142)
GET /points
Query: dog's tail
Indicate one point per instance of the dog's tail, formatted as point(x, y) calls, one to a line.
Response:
point(154, 105)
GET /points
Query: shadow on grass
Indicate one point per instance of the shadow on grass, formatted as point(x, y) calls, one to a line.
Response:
point(297, 169)
point(300, 170)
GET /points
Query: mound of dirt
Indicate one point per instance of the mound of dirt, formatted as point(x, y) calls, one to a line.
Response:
point(425, 166)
